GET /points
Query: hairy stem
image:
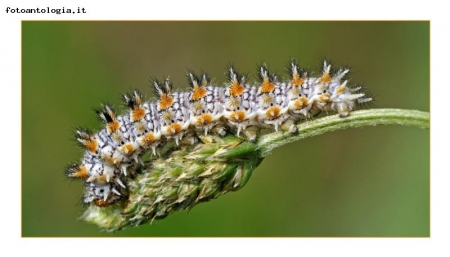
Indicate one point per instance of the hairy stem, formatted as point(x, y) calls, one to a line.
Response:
point(268, 142)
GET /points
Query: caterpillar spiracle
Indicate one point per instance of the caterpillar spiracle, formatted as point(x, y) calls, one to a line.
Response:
point(238, 107)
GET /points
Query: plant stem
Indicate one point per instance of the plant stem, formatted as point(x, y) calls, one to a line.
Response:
point(268, 142)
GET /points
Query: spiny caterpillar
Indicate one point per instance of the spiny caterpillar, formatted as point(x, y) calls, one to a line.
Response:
point(238, 107)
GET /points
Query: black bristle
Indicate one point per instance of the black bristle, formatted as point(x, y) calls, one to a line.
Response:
point(168, 86)
point(98, 113)
point(294, 63)
point(367, 94)
point(104, 115)
point(82, 134)
point(240, 78)
point(85, 131)
point(128, 100)
point(70, 169)
point(132, 100)
point(323, 59)
point(346, 67)
point(192, 78)
point(262, 71)
point(162, 88)
point(232, 73)
point(156, 86)
point(205, 80)
point(138, 97)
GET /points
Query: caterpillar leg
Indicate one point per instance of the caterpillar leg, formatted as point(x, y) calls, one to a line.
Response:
point(289, 126)
point(189, 139)
point(219, 130)
point(250, 133)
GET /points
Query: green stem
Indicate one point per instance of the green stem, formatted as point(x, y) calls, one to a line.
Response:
point(267, 143)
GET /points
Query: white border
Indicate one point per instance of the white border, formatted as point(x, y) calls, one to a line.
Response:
point(10, 61)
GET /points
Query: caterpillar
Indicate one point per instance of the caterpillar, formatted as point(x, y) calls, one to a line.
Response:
point(239, 108)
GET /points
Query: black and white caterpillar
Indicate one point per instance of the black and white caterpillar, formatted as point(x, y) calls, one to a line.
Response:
point(238, 107)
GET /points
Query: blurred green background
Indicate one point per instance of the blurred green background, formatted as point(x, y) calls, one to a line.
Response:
point(372, 181)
